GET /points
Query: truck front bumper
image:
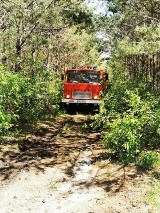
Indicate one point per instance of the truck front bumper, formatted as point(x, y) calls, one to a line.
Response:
point(70, 101)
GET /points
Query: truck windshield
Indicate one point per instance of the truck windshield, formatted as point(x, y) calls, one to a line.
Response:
point(83, 77)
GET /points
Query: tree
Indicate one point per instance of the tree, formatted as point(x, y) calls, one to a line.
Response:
point(28, 25)
point(134, 20)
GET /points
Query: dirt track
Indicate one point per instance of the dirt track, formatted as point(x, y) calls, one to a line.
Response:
point(63, 168)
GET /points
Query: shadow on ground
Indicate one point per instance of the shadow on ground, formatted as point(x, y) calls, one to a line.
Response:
point(52, 143)
point(59, 142)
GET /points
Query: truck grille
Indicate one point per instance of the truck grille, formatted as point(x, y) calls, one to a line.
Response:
point(81, 95)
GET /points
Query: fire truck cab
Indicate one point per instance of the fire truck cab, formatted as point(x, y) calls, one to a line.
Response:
point(84, 85)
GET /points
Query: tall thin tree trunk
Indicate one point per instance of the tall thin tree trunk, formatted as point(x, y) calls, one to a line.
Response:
point(18, 55)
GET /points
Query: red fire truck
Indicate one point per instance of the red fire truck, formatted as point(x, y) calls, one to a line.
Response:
point(84, 85)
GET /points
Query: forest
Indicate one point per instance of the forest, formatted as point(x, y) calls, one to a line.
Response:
point(40, 39)
point(52, 160)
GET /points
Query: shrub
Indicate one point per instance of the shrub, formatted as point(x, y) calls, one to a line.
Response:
point(25, 99)
point(130, 117)
point(147, 160)
point(133, 130)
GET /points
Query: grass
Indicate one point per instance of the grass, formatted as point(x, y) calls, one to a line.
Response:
point(153, 195)
point(59, 134)
point(54, 186)
point(67, 126)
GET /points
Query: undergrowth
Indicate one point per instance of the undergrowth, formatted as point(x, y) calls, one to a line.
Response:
point(25, 99)
point(130, 118)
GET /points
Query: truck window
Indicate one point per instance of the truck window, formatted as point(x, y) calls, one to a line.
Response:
point(83, 77)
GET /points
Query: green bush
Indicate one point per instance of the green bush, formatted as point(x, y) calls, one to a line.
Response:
point(25, 99)
point(133, 130)
point(130, 117)
point(147, 160)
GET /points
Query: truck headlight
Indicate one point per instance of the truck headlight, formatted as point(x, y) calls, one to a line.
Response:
point(67, 96)
point(96, 97)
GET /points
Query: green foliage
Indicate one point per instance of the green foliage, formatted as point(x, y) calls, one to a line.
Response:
point(147, 160)
point(33, 31)
point(130, 115)
point(80, 48)
point(39, 40)
point(5, 120)
point(25, 99)
point(132, 132)
point(134, 26)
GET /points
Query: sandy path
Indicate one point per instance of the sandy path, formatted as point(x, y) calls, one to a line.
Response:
point(77, 179)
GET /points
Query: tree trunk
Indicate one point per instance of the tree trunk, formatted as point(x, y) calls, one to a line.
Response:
point(18, 55)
